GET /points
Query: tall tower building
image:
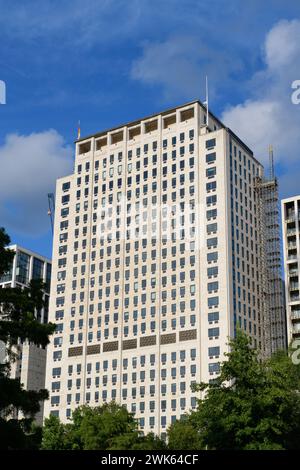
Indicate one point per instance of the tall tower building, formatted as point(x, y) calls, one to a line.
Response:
point(290, 211)
point(30, 365)
point(274, 316)
point(156, 260)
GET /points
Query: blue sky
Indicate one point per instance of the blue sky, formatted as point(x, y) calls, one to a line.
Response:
point(107, 62)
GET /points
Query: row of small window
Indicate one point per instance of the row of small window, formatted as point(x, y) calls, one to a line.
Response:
point(142, 360)
point(240, 196)
point(146, 149)
point(133, 377)
point(210, 173)
point(143, 327)
point(132, 316)
point(112, 251)
point(134, 407)
point(248, 179)
point(247, 325)
point(135, 300)
point(172, 323)
point(140, 407)
point(137, 286)
point(145, 175)
point(141, 421)
point(181, 179)
point(109, 199)
point(134, 259)
point(141, 224)
point(210, 186)
point(245, 228)
point(237, 153)
point(212, 333)
point(182, 192)
point(237, 222)
point(136, 273)
point(243, 186)
point(173, 293)
point(174, 183)
point(143, 164)
point(169, 226)
point(127, 316)
point(174, 388)
point(143, 190)
point(246, 162)
point(58, 341)
point(173, 372)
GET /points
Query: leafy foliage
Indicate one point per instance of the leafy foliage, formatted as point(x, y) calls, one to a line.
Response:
point(252, 404)
point(18, 323)
point(184, 435)
point(106, 427)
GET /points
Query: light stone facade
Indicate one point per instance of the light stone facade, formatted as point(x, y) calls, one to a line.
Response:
point(140, 319)
point(290, 212)
point(30, 365)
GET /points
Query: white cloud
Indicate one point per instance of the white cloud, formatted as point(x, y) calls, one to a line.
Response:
point(169, 64)
point(179, 65)
point(268, 116)
point(282, 44)
point(29, 167)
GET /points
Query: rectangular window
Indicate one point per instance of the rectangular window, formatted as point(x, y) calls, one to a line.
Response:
point(214, 351)
point(212, 332)
point(212, 256)
point(212, 242)
point(210, 143)
point(211, 157)
point(212, 286)
point(214, 367)
point(211, 172)
point(211, 228)
point(211, 186)
point(212, 272)
point(213, 302)
point(213, 316)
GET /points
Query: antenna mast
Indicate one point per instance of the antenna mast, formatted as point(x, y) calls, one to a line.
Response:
point(206, 101)
point(51, 207)
point(271, 163)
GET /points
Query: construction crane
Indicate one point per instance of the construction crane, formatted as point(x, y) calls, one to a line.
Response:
point(51, 208)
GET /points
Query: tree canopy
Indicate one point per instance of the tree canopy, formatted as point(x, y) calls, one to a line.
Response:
point(18, 323)
point(253, 404)
point(106, 427)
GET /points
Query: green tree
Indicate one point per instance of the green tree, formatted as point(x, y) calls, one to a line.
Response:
point(18, 323)
point(184, 435)
point(54, 434)
point(252, 404)
point(106, 427)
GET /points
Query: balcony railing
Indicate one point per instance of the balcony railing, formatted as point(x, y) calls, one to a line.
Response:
point(293, 272)
point(290, 218)
point(296, 328)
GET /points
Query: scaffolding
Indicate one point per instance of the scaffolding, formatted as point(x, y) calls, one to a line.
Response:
point(272, 318)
